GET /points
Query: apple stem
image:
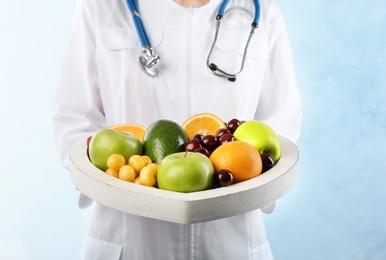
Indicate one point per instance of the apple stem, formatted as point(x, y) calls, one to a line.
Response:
point(186, 153)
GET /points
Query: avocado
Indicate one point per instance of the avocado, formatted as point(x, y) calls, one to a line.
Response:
point(163, 137)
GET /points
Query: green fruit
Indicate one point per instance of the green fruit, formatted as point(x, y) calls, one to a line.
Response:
point(261, 136)
point(106, 142)
point(162, 138)
point(185, 172)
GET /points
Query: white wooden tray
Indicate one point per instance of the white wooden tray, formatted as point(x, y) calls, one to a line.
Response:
point(184, 207)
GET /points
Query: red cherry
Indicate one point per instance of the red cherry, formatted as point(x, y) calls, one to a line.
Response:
point(202, 150)
point(226, 138)
point(224, 177)
point(267, 161)
point(221, 132)
point(88, 141)
point(233, 124)
point(192, 145)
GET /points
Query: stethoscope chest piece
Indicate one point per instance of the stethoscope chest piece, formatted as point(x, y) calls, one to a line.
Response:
point(149, 62)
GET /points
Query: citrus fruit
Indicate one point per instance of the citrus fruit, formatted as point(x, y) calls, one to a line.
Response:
point(136, 130)
point(163, 137)
point(238, 157)
point(203, 123)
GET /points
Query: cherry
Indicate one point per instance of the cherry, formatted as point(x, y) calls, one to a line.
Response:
point(192, 145)
point(224, 177)
point(88, 141)
point(226, 138)
point(221, 132)
point(202, 150)
point(233, 124)
point(267, 161)
point(198, 137)
point(210, 142)
point(88, 147)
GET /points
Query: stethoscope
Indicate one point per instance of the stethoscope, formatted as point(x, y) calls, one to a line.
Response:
point(150, 60)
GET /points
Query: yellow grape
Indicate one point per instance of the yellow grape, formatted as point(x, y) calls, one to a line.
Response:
point(147, 176)
point(127, 173)
point(116, 161)
point(113, 172)
point(137, 180)
point(137, 162)
point(147, 159)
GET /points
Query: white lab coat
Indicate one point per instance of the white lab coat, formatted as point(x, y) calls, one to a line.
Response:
point(102, 85)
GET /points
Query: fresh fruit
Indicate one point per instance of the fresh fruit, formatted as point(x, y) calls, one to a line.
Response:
point(203, 123)
point(148, 175)
point(221, 132)
point(226, 138)
point(192, 145)
point(88, 147)
point(116, 161)
point(261, 136)
point(203, 151)
point(268, 161)
point(134, 129)
point(210, 142)
point(106, 142)
point(113, 172)
point(127, 173)
point(162, 138)
point(185, 172)
point(233, 124)
point(147, 159)
point(137, 181)
point(198, 137)
point(240, 158)
point(137, 162)
point(223, 178)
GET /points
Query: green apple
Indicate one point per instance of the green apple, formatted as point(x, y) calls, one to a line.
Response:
point(185, 172)
point(106, 142)
point(261, 136)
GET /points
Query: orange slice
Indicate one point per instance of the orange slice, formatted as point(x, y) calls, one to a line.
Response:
point(136, 130)
point(203, 123)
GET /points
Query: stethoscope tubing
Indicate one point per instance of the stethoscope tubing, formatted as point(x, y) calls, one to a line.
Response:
point(213, 68)
point(133, 7)
point(224, 4)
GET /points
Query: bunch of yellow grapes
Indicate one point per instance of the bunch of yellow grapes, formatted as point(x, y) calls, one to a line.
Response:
point(138, 169)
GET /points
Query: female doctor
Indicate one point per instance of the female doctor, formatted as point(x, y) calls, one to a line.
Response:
point(102, 85)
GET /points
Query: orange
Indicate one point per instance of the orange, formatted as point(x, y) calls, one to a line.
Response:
point(136, 130)
point(203, 123)
point(240, 158)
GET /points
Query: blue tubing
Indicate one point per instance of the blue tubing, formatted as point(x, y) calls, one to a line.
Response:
point(221, 10)
point(133, 7)
point(257, 12)
point(224, 4)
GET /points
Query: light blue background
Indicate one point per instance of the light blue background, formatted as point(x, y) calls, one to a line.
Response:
point(335, 211)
